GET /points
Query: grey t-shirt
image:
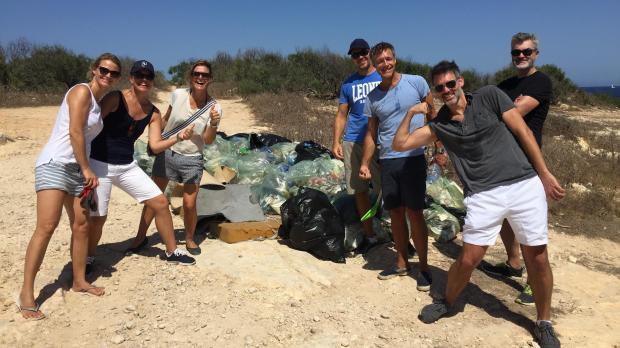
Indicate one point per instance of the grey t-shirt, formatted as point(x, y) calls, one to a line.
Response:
point(483, 150)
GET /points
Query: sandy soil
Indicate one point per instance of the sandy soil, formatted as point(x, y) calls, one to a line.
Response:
point(257, 294)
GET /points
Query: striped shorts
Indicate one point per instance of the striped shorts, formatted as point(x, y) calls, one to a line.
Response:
point(59, 176)
point(180, 168)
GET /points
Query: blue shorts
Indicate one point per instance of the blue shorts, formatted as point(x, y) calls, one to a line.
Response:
point(180, 168)
point(403, 182)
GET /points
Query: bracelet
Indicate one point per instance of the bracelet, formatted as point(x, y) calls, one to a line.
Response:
point(212, 126)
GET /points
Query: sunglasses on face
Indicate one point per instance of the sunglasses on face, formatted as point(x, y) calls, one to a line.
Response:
point(113, 73)
point(449, 84)
point(526, 52)
point(358, 54)
point(202, 75)
point(141, 76)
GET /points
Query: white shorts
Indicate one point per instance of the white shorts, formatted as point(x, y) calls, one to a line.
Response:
point(523, 204)
point(128, 177)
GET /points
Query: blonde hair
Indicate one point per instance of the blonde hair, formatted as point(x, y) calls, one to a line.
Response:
point(105, 56)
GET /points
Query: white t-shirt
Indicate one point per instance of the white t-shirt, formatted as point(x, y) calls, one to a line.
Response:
point(181, 111)
point(58, 147)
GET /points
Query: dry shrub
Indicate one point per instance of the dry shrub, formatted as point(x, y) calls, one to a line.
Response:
point(593, 212)
point(295, 116)
point(12, 98)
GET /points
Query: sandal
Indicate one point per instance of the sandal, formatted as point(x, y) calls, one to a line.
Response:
point(34, 309)
point(89, 291)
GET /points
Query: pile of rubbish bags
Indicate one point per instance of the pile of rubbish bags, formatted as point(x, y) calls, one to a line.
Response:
point(277, 170)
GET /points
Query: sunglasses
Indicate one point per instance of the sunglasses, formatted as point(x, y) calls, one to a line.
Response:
point(358, 54)
point(141, 76)
point(113, 73)
point(449, 84)
point(526, 52)
point(88, 199)
point(202, 75)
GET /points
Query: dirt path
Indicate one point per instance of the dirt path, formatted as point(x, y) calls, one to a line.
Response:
point(258, 294)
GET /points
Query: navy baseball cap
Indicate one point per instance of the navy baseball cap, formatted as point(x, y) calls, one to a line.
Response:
point(358, 43)
point(142, 65)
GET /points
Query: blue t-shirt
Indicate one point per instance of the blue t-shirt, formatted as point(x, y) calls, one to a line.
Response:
point(353, 92)
point(390, 107)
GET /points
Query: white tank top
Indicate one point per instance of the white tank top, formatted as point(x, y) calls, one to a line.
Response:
point(58, 147)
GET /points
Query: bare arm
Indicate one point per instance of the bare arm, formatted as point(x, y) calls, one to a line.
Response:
point(370, 141)
point(403, 140)
point(210, 131)
point(517, 126)
point(525, 104)
point(156, 143)
point(339, 124)
point(79, 102)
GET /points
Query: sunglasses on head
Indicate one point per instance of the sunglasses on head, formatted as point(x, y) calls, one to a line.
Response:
point(105, 71)
point(140, 76)
point(526, 52)
point(358, 54)
point(449, 84)
point(202, 75)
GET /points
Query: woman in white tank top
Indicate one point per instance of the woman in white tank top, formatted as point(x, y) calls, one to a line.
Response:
point(62, 173)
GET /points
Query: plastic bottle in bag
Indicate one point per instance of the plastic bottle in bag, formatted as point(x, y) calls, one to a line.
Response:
point(433, 173)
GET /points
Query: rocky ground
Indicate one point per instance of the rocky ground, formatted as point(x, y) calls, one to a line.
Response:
point(255, 294)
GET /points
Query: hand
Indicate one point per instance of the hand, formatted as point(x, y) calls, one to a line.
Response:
point(186, 133)
point(441, 159)
point(337, 150)
point(420, 108)
point(553, 189)
point(364, 172)
point(215, 117)
point(90, 179)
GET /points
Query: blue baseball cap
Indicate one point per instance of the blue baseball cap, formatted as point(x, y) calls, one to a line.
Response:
point(142, 65)
point(358, 43)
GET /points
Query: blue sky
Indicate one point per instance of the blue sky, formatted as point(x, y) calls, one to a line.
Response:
point(582, 37)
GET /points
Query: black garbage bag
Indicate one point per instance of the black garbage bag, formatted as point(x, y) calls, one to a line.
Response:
point(260, 140)
point(310, 223)
point(309, 150)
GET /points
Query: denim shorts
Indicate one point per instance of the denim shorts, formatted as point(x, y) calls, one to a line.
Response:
point(65, 177)
point(180, 168)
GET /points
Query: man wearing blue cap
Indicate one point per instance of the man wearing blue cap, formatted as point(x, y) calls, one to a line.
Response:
point(350, 128)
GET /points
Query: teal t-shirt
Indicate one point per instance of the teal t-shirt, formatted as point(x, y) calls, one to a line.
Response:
point(390, 107)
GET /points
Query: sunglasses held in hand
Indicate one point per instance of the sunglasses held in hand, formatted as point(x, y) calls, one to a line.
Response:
point(88, 200)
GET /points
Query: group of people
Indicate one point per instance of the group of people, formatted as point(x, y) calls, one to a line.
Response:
point(493, 137)
point(91, 148)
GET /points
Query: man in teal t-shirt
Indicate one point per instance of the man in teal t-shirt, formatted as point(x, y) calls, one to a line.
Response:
point(350, 113)
point(403, 173)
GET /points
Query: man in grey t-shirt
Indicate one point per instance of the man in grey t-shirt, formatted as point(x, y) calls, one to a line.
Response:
point(499, 181)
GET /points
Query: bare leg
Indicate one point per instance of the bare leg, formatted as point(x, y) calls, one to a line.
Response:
point(80, 228)
point(540, 278)
point(362, 202)
point(400, 235)
point(49, 209)
point(96, 229)
point(461, 270)
point(163, 221)
point(511, 245)
point(148, 214)
point(190, 216)
point(419, 235)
